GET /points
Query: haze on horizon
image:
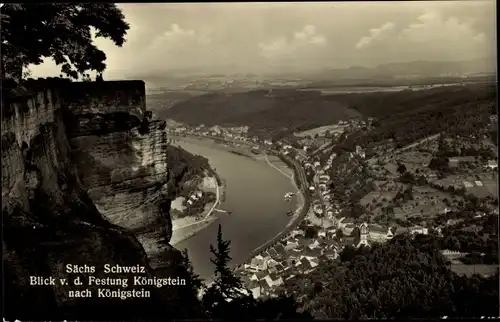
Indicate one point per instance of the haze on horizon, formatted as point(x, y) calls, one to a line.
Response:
point(293, 37)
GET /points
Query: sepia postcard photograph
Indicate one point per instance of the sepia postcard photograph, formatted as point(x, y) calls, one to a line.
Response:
point(333, 160)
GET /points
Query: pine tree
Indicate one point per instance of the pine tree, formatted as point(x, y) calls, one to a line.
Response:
point(226, 285)
point(194, 281)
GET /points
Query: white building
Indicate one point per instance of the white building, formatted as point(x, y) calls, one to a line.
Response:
point(419, 230)
point(492, 164)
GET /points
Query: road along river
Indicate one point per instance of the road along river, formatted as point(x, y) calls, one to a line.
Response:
point(255, 196)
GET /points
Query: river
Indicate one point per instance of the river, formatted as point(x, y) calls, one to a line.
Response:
point(254, 195)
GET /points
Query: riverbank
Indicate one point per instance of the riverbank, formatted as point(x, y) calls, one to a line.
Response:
point(254, 196)
point(244, 149)
point(303, 209)
point(304, 204)
point(185, 226)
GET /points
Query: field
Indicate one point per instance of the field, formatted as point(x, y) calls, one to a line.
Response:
point(320, 130)
point(378, 196)
point(426, 201)
point(469, 270)
point(415, 162)
point(489, 183)
point(314, 142)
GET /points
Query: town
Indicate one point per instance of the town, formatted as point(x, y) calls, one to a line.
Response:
point(368, 195)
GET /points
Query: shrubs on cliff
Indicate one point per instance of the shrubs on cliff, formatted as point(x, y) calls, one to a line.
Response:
point(183, 167)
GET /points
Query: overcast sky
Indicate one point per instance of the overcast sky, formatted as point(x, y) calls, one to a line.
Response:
point(254, 37)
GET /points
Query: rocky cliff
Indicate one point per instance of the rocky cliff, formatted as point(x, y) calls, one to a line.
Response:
point(121, 156)
point(83, 171)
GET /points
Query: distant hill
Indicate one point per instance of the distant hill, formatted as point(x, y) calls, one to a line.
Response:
point(262, 109)
point(416, 69)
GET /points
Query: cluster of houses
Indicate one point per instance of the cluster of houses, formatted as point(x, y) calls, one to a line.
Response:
point(268, 272)
point(233, 133)
point(195, 196)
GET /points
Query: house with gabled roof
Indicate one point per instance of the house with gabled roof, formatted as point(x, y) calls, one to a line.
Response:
point(258, 276)
point(311, 252)
point(255, 288)
point(279, 268)
point(314, 244)
point(258, 263)
point(294, 254)
point(306, 265)
point(314, 261)
point(345, 221)
point(272, 252)
point(303, 242)
point(348, 229)
point(330, 242)
point(267, 282)
point(287, 270)
point(419, 230)
point(291, 244)
point(279, 248)
point(271, 262)
point(274, 280)
point(296, 233)
point(331, 249)
point(303, 264)
point(377, 232)
point(398, 230)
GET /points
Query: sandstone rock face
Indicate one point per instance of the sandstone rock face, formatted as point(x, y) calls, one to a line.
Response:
point(50, 221)
point(121, 157)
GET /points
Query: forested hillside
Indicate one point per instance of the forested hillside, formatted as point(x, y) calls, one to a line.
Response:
point(408, 116)
point(262, 109)
point(405, 116)
point(400, 279)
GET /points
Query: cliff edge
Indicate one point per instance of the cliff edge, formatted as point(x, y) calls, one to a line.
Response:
point(83, 174)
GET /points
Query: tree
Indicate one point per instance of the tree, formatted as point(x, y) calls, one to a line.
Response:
point(226, 286)
point(339, 234)
point(348, 253)
point(311, 232)
point(195, 282)
point(401, 168)
point(402, 278)
point(62, 31)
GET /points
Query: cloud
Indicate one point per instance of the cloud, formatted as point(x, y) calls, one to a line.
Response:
point(265, 37)
point(375, 33)
point(432, 27)
point(304, 40)
point(431, 35)
point(177, 36)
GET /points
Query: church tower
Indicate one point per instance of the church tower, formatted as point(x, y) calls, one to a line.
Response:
point(363, 228)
